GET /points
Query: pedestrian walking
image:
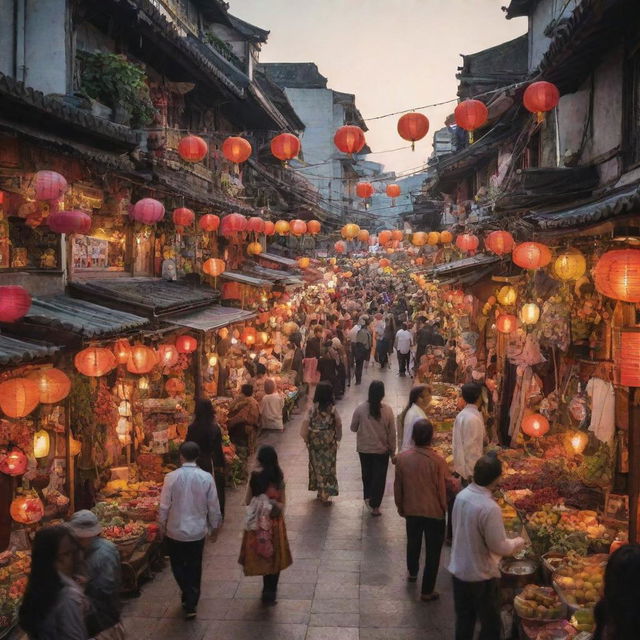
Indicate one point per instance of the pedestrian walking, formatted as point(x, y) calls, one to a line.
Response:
point(403, 344)
point(54, 607)
point(206, 433)
point(271, 408)
point(419, 401)
point(362, 348)
point(468, 432)
point(189, 509)
point(479, 541)
point(421, 497)
point(243, 418)
point(322, 431)
point(265, 548)
point(103, 577)
point(373, 421)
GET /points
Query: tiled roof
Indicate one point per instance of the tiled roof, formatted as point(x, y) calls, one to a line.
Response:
point(243, 278)
point(14, 351)
point(274, 257)
point(213, 317)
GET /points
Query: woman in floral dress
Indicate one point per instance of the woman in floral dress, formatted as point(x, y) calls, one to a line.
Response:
point(322, 430)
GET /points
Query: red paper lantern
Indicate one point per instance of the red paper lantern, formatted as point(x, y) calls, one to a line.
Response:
point(467, 242)
point(393, 190)
point(192, 149)
point(413, 127)
point(313, 227)
point(186, 344)
point(49, 185)
point(617, 275)
point(18, 397)
point(349, 139)
point(340, 247)
point(168, 355)
point(531, 255)
point(541, 97)
point(248, 336)
point(298, 227)
point(231, 291)
point(209, 222)
point(285, 147)
point(364, 190)
point(255, 225)
point(535, 425)
point(147, 211)
point(506, 323)
point(174, 386)
point(471, 115)
point(183, 217)
point(499, 242)
point(53, 385)
point(95, 361)
point(269, 228)
point(236, 149)
point(384, 237)
point(27, 509)
point(628, 358)
point(74, 221)
point(15, 303)
point(282, 227)
point(121, 350)
point(214, 267)
point(13, 461)
point(142, 359)
point(254, 248)
point(232, 224)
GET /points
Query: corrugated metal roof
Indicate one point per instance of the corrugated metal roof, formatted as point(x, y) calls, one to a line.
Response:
point(84, 318)
point(13, 351)
point(450, 268)
point(274, 275)
point(243, 278)
point(211, 318)
point(287, 262)
point(588, 213)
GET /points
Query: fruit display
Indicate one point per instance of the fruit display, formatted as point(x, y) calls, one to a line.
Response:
point(579, 579)
point(548, 516)
point(123, 532)
point(14, 568)
point(126, 489)
point(585, 521)
point(583, 620)
point(510, 517)
point(596, 469)
point(538, 499)
point(539, 603)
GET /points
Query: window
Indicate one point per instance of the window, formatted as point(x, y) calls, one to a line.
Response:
point(631, 137)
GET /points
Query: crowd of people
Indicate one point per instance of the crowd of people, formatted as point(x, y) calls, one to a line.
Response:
point(73, 590)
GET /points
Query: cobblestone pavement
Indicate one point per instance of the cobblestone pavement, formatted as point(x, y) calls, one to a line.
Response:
point(348, 578)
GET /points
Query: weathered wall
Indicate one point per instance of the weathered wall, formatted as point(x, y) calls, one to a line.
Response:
point(7, 37)
point(37, 284)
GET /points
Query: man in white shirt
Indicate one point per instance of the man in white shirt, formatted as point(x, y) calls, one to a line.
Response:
point(468, 433)
point(189, 508)
point(479, 541)
point(419, 401)
point(403, 344)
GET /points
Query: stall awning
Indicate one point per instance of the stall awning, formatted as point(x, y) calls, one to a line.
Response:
point(459, 266)
point(152, 296)
point(80, 317)
point(588, 213)
point(14, 351)
point(282, 277)
point(211, 318)
point(272, 257)
point(244, 278)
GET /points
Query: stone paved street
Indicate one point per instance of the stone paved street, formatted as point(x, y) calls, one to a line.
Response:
point(348, 578)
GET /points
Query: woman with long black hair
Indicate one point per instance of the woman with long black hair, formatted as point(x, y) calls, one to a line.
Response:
point(54, 607)
point(206, 433)
point(265, 547)
point(374, 423)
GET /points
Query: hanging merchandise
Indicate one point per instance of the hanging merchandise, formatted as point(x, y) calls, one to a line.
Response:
point(413, 127)
point(603, 409)
point(350, 231)
point(285, 147)
point(27, 509)
point(471, 115)
point(507, 296)
point(363, 236)
point(385, 236)
point(13, 461)
point(397, 236)
point(236, 149)
point(41, 444)
point(192, 149)
point(349, 139)
point(529, 313)
point(446, 237)
point(433, 238)
point(540, 97)
point(168, 355)
point(121, 350)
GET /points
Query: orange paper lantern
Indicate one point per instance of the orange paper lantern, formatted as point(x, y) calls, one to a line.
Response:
point(269, 228)
point(419, 239)
point(121, 350)
point(313, 227)
point(174, 386)
point(298, 227)
point(27, 509)
point(236, 149)
point(364, 190)
point(186, 344)
point(506, 323)
point(351, 231)
point(467, 242)
point(248, 336)
point(446, 237)
point(397, 236)
point(384, 237)
point(142, 359)
point(499, 242)
point(54, 385)
point(628, 358)
point(18, 397)
point(192, 149)
point(413, 127)
point(433, 237)
point(393, 190)
point(535, 425)
point(363, 236)
point(282, 227)
point(209, 222)
point(168, 355)
point(349, 139)
point(214, 267)
point(285, 146)
point(617, 275)
point(304, 263)
point(95, 361)
point(254, 248)
point(531, 255)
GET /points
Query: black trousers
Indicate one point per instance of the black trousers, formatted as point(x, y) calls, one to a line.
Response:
point(186, 565)
point(359, 364)
point(403, 362)
point(432, 529)
point(270, 586)
point(220, 480)
point(477, 600)
point(374, 476)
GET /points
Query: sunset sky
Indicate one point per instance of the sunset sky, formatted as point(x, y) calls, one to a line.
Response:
point(392, 54)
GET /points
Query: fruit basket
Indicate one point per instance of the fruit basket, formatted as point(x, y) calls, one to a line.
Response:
point(539, 604)
point(578, 580)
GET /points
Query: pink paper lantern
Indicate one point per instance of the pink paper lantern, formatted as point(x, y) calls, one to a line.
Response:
point(74, 221)
point(49, 185)
point(147, 211)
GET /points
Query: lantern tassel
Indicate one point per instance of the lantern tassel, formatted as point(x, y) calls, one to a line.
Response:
point(540, 117)
point(470, 137)
point(413, 145)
